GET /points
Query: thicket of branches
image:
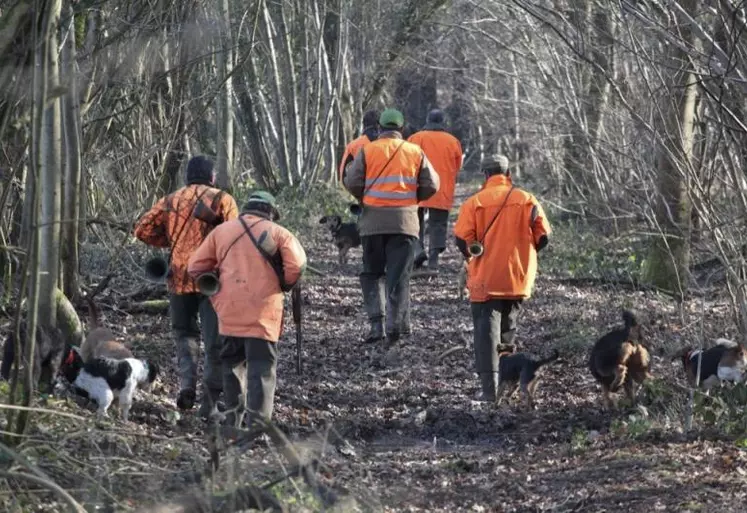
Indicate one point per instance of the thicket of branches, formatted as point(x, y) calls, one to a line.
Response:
point(630, 113)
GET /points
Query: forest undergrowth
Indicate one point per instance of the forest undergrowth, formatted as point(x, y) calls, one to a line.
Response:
point(400, 430)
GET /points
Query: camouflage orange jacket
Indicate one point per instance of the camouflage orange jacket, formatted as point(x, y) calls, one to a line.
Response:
point(181, 222)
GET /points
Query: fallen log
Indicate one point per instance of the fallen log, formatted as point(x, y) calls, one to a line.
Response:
point(151, 306)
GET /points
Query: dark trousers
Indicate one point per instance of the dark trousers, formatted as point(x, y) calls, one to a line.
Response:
point(249, 368)
point(185, 310)
point(436, 228)
point(387, 267)
point(494, 322)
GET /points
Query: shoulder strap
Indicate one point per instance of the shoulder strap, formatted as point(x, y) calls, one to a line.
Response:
point(275, 261)
point(187, 221)
point(367, 188)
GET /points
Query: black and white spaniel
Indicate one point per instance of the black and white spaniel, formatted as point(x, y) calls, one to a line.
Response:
point(103, 379)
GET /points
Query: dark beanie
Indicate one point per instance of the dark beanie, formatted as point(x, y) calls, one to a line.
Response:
point(200, 170)
point(371, 118)
point(435, 116)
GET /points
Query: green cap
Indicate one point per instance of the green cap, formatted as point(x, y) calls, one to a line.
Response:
point(392, 118)
point(262, 197)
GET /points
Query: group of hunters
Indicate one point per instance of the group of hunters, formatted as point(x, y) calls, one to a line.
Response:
point(396, 181)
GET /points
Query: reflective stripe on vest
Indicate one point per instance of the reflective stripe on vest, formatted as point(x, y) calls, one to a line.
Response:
point(391, 178)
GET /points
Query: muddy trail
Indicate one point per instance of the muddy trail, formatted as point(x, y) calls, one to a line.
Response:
point(400, 430)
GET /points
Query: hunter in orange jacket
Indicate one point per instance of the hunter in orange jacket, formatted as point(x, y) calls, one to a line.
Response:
point(181, 221)
point(370, 133)
point(445, 155)
point(249, 302)
point(388, 178)
point(511, 227)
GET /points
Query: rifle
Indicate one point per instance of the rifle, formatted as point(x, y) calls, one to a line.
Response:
point(296, 306)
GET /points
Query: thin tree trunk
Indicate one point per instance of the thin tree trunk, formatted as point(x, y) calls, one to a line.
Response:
point(50, 174)
point(669, 257)
point(71, 118)
point(224, 160)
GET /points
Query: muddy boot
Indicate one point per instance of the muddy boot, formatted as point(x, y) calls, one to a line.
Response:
point(488, 386)
point(486, 318)
point(186, 399)
point(433, 259)
point(209, 403)
point(420, 256)
point(373, 303)
point(405, 328)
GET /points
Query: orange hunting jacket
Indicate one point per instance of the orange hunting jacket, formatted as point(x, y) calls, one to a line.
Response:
point(170, 224)
point(445, 155)
point(249, 302)
point(351, 150)
point(508, 266)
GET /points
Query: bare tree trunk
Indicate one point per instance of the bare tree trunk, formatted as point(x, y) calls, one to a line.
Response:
point(224, 160)
point(50, 173)
point(71, 118)
point(668, 260)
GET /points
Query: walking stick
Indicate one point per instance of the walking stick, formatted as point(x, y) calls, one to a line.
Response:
point(296, 305)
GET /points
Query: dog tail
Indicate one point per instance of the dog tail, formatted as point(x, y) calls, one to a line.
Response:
point(94, 316)
point(544, 361)
point(629, 319)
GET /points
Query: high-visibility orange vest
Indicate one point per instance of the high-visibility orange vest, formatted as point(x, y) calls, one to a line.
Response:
point(392, 178)
point(351, 150)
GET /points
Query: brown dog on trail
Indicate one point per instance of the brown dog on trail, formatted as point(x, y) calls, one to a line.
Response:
point(519, 370)
point(619, 359)
point(101, 342)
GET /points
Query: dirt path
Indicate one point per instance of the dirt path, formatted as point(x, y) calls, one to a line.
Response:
point(417, 440)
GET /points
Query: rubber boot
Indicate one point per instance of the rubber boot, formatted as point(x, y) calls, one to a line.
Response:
point(488, 384)
point(433, 259)
point(420, 256)
point(373, 303)
point(209, 403)
point(405, 328)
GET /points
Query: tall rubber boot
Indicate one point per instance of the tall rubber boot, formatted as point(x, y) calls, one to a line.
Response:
point(405, 328)
point(486, 335)
point(433, 259)
point(209, 403)
point(488, 384)
point(373, 303)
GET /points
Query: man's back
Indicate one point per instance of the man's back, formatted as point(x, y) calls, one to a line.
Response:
point(171, 223)
point(444, 152)
point(509, 222)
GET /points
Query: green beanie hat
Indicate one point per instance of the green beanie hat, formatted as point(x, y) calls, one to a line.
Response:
point(262, 199)
point(391, 118)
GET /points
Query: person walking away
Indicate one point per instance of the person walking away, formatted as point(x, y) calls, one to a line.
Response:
point(370, 133)
point(444, 152)
point(256, 261)
point(171, 223)
point(388, 177)
point(511, 226)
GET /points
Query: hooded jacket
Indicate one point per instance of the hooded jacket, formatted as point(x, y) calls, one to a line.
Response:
point(250, 301)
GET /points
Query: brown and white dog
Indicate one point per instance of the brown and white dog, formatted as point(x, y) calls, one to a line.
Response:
point(619, 359)
point(726, 361)
point(101, 342)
